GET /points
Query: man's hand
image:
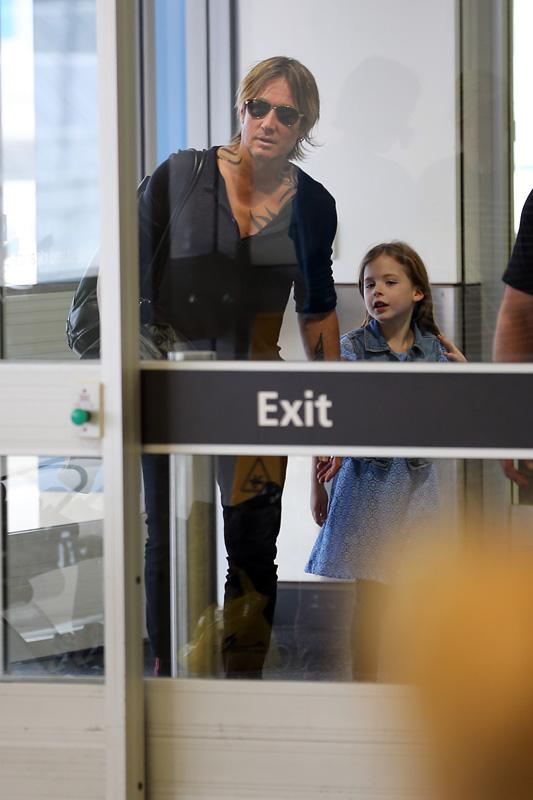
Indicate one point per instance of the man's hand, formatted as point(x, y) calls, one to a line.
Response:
point(514, 474)
point(452, 352)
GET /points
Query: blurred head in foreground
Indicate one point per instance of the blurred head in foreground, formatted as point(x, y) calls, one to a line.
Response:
point(463, 634)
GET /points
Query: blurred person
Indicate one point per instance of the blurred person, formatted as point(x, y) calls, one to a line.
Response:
point(460, 631)
point(375, 501)
point(513, 339)
point(224, 236)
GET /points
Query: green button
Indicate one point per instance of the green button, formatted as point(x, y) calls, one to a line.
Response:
point(80, 416)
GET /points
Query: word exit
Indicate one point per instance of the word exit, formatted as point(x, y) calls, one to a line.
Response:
point(273, 411)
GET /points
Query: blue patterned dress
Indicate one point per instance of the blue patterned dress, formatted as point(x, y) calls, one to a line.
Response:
point(376, 503)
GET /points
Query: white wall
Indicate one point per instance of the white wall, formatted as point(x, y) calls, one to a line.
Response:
point(387, 79)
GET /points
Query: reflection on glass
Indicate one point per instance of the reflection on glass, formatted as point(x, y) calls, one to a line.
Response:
point(52, 512)
point(225, 236)
point(227, 233)
point(49, 139)
point(49, 156)
point(251, 493)
point(375, 504)
point(189, 633)
point(255, 588)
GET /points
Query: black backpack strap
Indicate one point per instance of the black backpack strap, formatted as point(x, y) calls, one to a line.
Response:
point(151, 278)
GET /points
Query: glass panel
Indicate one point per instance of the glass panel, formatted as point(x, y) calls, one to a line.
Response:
point(52, 520)
point(249, 268)
point(49, 157)
point(238, 249)
point(252, 587)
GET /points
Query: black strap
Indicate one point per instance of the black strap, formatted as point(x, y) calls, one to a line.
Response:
point(200, 158)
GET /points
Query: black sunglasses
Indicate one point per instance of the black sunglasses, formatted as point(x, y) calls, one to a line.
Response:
point(258, 108)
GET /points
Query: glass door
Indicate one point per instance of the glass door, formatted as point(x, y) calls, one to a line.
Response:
point(278, 655)
point(50, 206)
point(70, 693)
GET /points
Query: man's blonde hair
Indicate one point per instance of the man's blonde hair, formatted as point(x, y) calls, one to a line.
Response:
point(303, 87)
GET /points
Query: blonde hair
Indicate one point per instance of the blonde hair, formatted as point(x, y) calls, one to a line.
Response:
point(417, 274)
point(303, 88)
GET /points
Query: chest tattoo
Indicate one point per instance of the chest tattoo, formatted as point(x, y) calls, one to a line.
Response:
point(259, 220)
point(263, 215)
point(260, 216)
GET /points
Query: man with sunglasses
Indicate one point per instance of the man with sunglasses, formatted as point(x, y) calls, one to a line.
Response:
point(220, 271)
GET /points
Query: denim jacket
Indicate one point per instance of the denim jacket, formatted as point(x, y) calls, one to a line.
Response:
point(367, 344)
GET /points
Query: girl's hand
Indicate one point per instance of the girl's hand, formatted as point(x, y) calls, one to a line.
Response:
point(514, 474)
point(319, 503)
point(452, 352)
point(327, 468)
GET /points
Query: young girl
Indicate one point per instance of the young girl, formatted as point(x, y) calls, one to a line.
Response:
point(374, 501)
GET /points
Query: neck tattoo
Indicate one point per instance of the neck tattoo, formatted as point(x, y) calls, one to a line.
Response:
point(229, 155)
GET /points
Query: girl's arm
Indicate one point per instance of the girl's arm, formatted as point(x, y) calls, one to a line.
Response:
point(327, 468)
point(319, 496)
